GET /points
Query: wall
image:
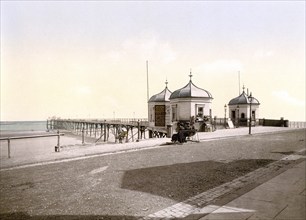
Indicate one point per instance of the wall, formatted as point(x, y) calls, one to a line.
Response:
point(184, 110)
point(245, 108)
point(274, 122)
point(187, 107)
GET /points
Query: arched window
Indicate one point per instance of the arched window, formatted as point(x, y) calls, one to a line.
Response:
point(242, 115)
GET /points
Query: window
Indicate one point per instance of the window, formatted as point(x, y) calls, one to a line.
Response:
point(174, 113)
point(242, 115)
point(200, 111)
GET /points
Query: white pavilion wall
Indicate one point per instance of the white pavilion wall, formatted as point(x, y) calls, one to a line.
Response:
point(198, 103)
point(187, 108)
point(184, 111)
point(244, 109)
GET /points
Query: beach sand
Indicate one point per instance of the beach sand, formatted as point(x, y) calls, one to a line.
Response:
point(37, 150)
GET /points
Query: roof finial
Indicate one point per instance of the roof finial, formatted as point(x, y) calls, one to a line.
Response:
point(166, 83)
point(190, 75)
point(243, 87)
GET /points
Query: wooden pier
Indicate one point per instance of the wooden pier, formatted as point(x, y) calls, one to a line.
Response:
point(100, 129)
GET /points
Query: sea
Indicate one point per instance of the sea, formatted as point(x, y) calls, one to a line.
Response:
point(15, 126)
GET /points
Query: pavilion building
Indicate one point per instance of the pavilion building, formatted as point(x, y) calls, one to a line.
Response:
point(159, 109)
point(183, 105)
point(241, 107)
point(190, 101)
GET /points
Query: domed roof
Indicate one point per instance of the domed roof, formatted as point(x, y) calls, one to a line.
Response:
point(190, 90)
point(163, 96)
point(243, 99)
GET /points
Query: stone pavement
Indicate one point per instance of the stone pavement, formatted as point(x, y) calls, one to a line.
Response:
point(253, 196)
point(282, 197)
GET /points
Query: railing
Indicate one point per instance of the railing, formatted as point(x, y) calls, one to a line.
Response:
point(60, 123)
point(57, 148)
point(297, 124)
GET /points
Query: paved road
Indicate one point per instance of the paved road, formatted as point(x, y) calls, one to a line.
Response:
point(141, 183)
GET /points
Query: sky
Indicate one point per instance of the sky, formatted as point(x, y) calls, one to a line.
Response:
point(87, 59)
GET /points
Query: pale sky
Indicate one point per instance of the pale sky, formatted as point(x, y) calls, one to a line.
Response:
point(87, 59)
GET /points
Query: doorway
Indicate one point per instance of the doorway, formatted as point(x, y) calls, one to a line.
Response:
point(160, 115)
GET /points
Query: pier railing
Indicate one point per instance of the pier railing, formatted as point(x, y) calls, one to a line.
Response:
point(8, 139)
point(103, 128)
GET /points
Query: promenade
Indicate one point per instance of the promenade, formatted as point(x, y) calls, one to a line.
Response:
point(41, 150)
point(253, 196)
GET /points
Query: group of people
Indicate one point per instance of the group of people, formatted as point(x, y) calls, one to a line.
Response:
point(184, 130)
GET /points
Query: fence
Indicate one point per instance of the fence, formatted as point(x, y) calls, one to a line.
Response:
point(297, 124)
point(57, 148)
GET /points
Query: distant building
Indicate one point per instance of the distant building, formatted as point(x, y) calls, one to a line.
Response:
point(239, 109)
point(185, 104)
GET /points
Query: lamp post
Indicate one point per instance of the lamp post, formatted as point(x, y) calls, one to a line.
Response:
point(250, 122)
point(238, 116)
point(225, 115)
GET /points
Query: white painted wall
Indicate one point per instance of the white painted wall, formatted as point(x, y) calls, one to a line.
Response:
point(187, 108)
point(243, 109)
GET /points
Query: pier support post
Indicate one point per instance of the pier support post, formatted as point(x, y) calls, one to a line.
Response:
point(9, 148)
point(107, 132)
point(57, 147)
point(116, 134)
point(83, 138)
point(138, 127)
point(132, 133)
point(104, 126)
point(95, 130)
point(90, 129)
point(127, 134)
point(101, 130)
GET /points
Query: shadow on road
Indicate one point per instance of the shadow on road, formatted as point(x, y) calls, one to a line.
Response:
point(25, 216)
point(184, 180)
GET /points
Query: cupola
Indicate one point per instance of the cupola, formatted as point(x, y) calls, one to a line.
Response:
point(163, 96)
point(190, 91)
point(242, 99)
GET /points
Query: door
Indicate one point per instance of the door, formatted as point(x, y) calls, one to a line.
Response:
point(160, 113)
